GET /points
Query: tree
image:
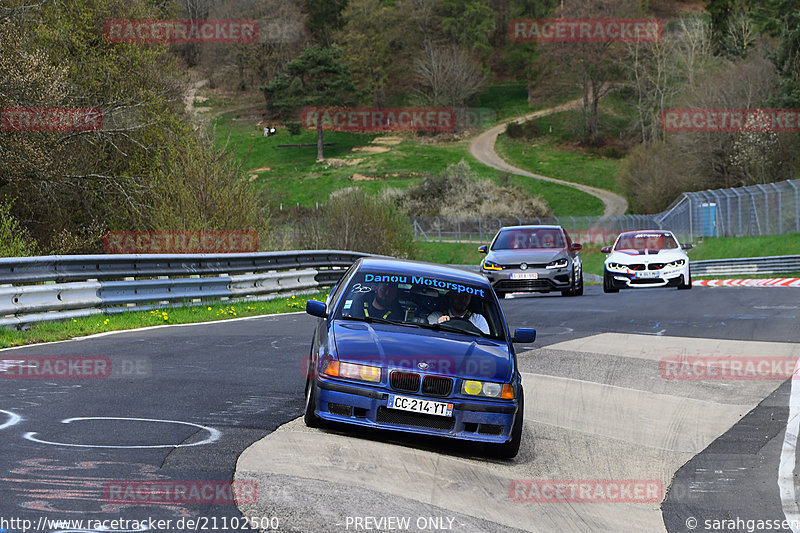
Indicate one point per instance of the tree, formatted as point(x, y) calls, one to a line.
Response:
point(447, 76)
point(315, 79)
point(467, 23)
point(324, 18)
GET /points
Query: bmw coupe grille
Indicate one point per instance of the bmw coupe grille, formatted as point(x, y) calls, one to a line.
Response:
point(437, 386)
point(405, 381)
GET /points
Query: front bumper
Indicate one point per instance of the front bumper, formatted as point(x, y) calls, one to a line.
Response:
point(474, 420)
point(547, 279)
point(672, 277)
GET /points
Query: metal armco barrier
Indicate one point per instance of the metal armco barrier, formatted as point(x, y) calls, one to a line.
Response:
point(779, 264)
point(38, 289)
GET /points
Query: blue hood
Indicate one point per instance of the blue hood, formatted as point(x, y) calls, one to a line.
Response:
point(445, 353)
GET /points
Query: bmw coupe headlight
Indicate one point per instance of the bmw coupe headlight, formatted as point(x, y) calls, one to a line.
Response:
point(338, 369)
point(616, 267)
point(491, 265)
point(678, 263)
point(558, 263)
point(487, 389)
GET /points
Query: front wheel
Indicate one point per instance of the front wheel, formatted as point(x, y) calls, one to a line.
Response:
point(608, 283)
point(510, 449)
point(685, 286)
point(310, 417)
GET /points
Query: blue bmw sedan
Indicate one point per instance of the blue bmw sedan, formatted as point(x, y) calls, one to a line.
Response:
point(419, 348)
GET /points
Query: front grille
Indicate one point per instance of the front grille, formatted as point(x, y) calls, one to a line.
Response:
point(393, 416)
point(490, 429)
point(340, 409)
point(522, 284)
point(530, 266)
point(637, 266)
point(437, 386)
point(647, 281)
point(405, 381)
point(655, 266)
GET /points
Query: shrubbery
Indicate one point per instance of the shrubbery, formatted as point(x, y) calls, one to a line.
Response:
point(14, 240)
point(459, 193)
point(354, 220)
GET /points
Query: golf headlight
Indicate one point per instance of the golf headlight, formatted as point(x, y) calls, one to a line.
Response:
point(487, 389)
point(678, 263)
point(558, 263)
point(353, 371)
point(616, 266)
point(490, 265)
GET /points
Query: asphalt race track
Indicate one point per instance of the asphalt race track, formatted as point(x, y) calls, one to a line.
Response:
point(207, 403)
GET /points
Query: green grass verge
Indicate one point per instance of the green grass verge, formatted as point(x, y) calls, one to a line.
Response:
point(79, 327)
point(731, 247)
point(543, 156)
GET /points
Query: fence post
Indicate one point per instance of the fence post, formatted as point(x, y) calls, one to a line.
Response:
point(765, 192)
point(739, 199)
point(780, 209)
point(691, 220)
point(414, 223)
point(796, 205)
point(439, 227)
point(458, 228)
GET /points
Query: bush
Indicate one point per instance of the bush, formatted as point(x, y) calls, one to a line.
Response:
point(459, 193)
point(14, 240)
point(354, 220)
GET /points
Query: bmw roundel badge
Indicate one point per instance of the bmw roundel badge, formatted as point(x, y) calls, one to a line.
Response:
point(423, 365)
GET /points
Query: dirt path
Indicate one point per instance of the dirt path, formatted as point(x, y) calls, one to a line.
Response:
point(482, 148)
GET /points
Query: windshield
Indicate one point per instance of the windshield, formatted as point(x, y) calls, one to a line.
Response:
point(421, 301)
point(529, 238)
point(646, 241)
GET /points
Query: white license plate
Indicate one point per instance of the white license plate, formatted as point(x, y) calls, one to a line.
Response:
point(416, 405)
point(647, 274)
point(524, 275)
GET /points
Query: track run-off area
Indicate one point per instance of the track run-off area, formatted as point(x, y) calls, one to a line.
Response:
point(611, 406)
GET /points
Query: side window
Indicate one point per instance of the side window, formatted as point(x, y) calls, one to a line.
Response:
point(337, 289)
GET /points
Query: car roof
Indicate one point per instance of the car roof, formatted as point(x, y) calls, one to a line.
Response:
point(391, 265)
point(542, 226)
point(659, 231)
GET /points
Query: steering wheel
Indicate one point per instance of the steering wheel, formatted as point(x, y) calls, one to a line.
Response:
point(461, 324)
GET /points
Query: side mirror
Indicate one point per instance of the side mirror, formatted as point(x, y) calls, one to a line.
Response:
point(524, 335)
point(483, 249)
point(605, 250)
point(315, 308)
point(686, 246)
point(576, 247)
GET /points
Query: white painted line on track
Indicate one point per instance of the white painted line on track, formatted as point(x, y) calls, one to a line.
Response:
point(786, 482)
point(214, 434)
point(13, 418)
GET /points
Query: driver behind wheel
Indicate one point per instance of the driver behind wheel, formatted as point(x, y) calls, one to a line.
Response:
point(458, 308)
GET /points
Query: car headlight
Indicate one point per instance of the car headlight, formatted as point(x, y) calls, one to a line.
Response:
point(558, 263)
point(617, 267)
point(678, 263)
point(491, 265)
point(487, 389)
point(338, 369)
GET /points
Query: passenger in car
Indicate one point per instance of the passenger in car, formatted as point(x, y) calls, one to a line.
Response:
point(384, 303)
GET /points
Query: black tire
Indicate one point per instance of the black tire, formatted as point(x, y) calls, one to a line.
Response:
point(572, 288)
point(501, 295)
point(510, 449)
point(608, 284)
point(685, 286)
point(579, 290)
point(310, 417)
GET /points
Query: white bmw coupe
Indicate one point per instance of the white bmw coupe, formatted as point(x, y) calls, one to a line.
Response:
point(647, 258)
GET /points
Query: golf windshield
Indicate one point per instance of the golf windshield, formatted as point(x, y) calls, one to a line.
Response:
point(420, 300)
point(529, 239)
point(646, 242)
